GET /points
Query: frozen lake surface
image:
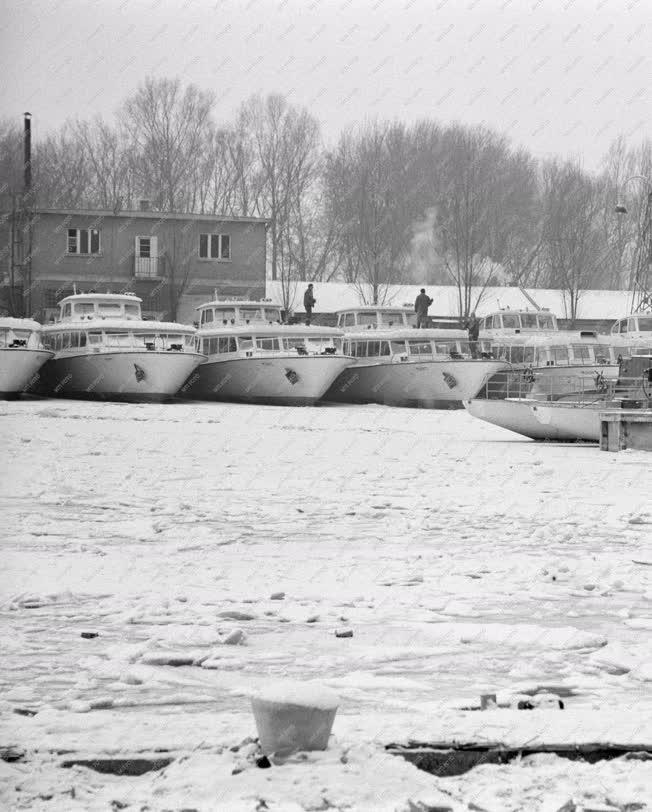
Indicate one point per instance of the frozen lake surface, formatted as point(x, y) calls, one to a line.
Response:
point(214, 547)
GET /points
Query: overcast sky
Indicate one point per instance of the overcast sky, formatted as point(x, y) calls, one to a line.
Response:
point(558, 76)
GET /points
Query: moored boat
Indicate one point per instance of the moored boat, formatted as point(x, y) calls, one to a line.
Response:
point(103, 349)
point(22, 354)
point(570, 417)
point(398, 365)
point(252, 357)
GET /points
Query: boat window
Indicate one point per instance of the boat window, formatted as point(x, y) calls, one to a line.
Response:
point(318, 343)
point(206, 316)
point(419, 347)
point(82, 308)
point(245, 342)
point(365, 319)
point(495, 322)
point(358, 349)
point(392, 317)
point(631, 325)
point(398, 347)
point(57, 342)
point(384, 348)
point(645, 324)
point(623, 326)
point(267, 344)
point(528, 355)
point(227, 344)
point(348, 319)
point(463, 347)
point(65, 341)
point(118, 340)
point(4, 338)
point(511, 321)
point(95, 338)
point(373, 348)
point(250, 313)
point(581, 352)
point(145, 340)
point(132, 310)
point(529, 320)
point(442, 347)
point(546, 322)
point(272, 314)
point(109, 308)
point(517, 355)
point(66, 310)
point(225, 315)
point(294, 343)
point(559, 353)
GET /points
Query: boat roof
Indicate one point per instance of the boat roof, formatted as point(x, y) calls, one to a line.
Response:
point(405, 333)
point(273, 329)
point(12, 323)
point(101, 297)
point(230, 303)
point(517, 310)
point(135, 325)
point(376, 308)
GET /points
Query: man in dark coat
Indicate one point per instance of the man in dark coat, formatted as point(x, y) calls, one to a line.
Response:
point(421, 305)
point(309, 302)
point(473, 327)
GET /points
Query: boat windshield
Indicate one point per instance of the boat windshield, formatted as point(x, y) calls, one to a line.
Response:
point(645, 324)
point(109, 309)
point(224, 315)
point(365, 319)
point(250, 313)
point(546, 322)
point(392, 317)
point(511, 321)
point(529, 321)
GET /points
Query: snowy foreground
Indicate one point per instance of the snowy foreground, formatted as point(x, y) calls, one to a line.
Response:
point(205, 549)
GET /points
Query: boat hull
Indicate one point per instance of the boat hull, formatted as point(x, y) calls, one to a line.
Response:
point(18, 366)
point(541, 420)
point(127, 375)
point(286, 380)
point(428, 384)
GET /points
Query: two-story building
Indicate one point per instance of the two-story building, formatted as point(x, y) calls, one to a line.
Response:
point(172, 261)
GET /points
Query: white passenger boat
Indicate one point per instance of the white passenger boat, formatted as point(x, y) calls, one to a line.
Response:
point(570, 417)
point(104, 349)
point(22, 354)
point(398, 365)
point(532, 343)
point(252, 357)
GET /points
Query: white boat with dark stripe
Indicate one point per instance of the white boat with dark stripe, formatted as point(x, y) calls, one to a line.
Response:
point(103, 349)
point(22, 354)
point(253, 358)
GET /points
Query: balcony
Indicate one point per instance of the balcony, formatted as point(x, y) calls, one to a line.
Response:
point(146, 268)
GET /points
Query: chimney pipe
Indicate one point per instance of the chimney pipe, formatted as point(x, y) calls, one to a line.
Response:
point(27, 156)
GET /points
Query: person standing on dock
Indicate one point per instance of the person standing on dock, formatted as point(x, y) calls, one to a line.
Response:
point(421, 305)
point(309, 302)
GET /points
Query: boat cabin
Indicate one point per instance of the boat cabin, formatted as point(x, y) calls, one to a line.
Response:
point(88, 306)
point(217, 314)
point(20, 334)
point(264, 340)
point(507, 321)
point(424, 345)
point(112, 322)
point(565, 349)
point(637, 325)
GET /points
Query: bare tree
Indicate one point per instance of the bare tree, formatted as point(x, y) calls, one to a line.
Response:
point(572, 238)
point(110, 168)
point(167, 127)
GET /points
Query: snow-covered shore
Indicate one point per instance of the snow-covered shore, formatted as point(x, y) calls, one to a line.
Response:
point(204, 549)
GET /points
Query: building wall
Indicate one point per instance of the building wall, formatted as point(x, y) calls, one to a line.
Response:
point(179, 269)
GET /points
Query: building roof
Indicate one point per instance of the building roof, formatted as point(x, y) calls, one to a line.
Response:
point(154, 215)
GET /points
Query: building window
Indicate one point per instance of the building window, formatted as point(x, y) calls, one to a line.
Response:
point(214, 246)
point(83, 241)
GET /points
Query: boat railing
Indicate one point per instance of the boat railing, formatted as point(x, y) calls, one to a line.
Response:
point(585, 390)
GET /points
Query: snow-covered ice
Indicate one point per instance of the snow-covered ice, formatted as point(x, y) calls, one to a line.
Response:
point(208, 550)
